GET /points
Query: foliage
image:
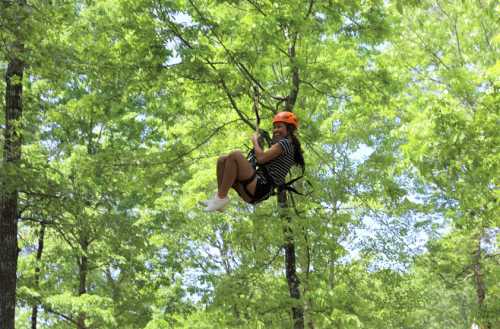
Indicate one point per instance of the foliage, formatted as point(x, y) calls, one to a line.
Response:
point(127, 104)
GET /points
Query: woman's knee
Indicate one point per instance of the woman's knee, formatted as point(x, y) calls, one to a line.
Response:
point(236, 154)
point(222, 159)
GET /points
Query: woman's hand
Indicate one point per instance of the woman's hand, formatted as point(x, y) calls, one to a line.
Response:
point(255, 139)
point(265, 156)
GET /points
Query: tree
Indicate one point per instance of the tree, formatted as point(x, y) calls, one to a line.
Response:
point(451, 127)
point(14, 17)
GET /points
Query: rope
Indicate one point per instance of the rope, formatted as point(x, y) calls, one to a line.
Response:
point(263, 135)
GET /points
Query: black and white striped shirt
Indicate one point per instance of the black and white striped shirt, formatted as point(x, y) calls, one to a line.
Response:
point(278, 167)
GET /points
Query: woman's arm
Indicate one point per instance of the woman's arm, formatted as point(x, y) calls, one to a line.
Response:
point(265, 156)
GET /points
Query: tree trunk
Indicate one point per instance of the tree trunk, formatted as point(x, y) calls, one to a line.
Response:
point(480, 285)
point(290, 259)
point(8, 193)
point(83, 267)
point(294, 92)
point(39, 252)
point(291, 266)
point(308, 304)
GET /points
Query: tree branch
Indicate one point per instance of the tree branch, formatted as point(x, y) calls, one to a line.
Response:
point(294, 91)
point(179, 157)
point(310, 9)
point(257, 7)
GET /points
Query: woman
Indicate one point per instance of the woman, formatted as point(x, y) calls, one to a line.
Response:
point(253, 186)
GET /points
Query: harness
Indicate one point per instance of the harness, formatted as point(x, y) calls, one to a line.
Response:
point(275, 188)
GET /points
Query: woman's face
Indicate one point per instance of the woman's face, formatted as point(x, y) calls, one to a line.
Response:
point(279, 130)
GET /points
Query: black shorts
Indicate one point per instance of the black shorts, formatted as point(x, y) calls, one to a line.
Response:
point(263, 188)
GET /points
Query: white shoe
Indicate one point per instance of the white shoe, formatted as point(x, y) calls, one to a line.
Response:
point(205, 203)
point(216, 203)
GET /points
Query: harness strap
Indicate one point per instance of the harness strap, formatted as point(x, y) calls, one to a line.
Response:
point(288, 186)
point(247, 181)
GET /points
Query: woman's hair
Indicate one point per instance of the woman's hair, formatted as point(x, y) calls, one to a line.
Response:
point(298, 154)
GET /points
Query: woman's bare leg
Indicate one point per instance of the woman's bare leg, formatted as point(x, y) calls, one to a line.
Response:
point(221, 162)
point(236, 167)
point(241, 191)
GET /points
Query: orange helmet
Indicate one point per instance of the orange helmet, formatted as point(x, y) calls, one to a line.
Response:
point(286, 117)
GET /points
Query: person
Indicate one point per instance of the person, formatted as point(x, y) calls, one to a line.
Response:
point(235, 171)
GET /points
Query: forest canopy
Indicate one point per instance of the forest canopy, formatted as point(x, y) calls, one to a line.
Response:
point(115, 112)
